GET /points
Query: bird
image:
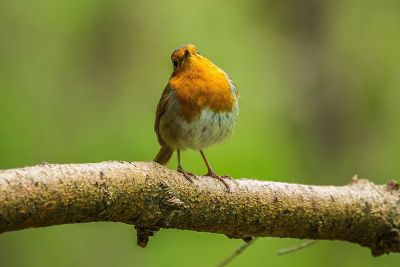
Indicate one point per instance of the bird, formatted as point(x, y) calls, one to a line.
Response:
point(197, 109)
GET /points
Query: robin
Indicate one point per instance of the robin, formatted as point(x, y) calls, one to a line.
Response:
point(198, 108)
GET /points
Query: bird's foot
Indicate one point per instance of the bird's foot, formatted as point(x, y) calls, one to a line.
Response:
point(188, 175)
point(220, 178)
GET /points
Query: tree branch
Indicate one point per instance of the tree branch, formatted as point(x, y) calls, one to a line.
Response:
point(150, 197)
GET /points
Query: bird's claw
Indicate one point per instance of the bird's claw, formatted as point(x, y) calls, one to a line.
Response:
point(220, 178)
point(188, 175)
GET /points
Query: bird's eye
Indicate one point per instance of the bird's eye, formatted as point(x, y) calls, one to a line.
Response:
point(187, 53)
point(175, 62)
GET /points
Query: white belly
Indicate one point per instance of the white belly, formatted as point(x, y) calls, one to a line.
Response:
point(206, 130)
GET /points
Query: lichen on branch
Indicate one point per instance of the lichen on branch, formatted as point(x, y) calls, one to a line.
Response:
point(152, 197)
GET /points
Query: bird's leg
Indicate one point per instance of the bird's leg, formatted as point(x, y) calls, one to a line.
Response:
point(188, 175)
point(211, 173)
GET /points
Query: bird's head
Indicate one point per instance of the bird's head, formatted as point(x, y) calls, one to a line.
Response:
point(183, 56)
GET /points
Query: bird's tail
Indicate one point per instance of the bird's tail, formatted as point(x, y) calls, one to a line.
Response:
point(164, 155)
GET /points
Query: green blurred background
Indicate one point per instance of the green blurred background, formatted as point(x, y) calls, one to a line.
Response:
point(319, 85)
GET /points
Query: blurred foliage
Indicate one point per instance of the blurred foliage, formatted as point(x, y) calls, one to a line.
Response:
point(319, 85)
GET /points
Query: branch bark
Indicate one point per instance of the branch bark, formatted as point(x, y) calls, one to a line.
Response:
point(151, 197)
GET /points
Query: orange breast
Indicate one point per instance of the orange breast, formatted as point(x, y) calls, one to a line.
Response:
point(201, 84)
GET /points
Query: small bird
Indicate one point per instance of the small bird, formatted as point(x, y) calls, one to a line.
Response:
point(198, 108)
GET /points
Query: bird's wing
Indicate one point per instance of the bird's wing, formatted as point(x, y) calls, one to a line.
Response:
point(161, 108)
point(234, 89)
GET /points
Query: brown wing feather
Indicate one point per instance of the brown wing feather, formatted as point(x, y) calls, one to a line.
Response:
point(161, 108)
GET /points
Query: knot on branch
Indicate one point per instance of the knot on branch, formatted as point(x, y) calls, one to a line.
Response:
point(392, 185)
point(162, 206)
point(143, 235)
point(388, 242)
